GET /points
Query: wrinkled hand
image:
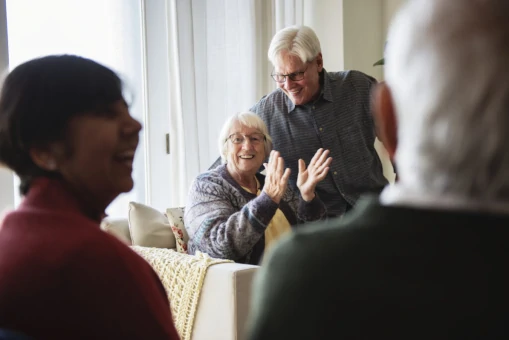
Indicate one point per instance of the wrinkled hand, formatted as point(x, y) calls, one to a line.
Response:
point(315, 172)
point(276, 177)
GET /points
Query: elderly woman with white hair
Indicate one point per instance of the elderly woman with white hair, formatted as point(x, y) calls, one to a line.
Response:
point(234, 212)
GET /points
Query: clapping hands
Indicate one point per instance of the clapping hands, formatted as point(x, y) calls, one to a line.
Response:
point(276, 179)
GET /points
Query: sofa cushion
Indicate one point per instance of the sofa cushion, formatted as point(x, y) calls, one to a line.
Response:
point(149, 227)
point(176, 219)
point(118, 227)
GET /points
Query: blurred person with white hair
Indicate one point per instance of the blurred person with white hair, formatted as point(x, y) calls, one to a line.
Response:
point(426, 259)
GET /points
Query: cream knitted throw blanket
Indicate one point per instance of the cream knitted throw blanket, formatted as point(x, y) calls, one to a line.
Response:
point(182, 276)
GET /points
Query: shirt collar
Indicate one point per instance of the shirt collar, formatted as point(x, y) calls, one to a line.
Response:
point(326, 88)
point(325, 91)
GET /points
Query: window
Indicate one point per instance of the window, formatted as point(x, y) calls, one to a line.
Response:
point(109, 32)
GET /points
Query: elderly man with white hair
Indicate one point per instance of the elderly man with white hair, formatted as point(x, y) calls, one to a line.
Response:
point(426, 259)
point(313, 109)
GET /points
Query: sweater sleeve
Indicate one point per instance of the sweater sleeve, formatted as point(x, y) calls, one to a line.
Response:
point(306, 211)
point(220, 224)
point(119, 289)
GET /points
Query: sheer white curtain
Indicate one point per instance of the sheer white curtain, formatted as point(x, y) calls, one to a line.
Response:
point(218, 67)
point(226, 70)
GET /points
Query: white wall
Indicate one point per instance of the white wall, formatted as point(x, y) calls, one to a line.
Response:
point(6, 177)
point(363, 35)
point(389, 9)
point(324, 16)
point(365, 24)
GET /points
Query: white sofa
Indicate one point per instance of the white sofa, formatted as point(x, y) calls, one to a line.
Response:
point(224, 300)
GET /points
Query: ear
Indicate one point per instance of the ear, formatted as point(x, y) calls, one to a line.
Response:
point(319, 62)
point(46, 157)
point(385, 118)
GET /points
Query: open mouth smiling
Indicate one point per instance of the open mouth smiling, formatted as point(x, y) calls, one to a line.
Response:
point(125, 157)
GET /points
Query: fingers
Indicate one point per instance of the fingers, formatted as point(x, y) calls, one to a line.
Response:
point(319, 166)
point(277, 177)
point(319, 157)
point(322, 156)
point(302, 166)
point(270, 163)
point(276, 165)
point(316, 156)
point(273, 157)
point(327, 162)
point(322, 174)
point(286, 176)
point(283, 183)
point(280, 164)
point(321, 171)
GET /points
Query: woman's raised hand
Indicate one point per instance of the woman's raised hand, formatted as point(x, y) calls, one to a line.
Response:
point(276, 177)
point(315, 172)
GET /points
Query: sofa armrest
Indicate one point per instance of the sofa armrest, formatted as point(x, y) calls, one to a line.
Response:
point(224, 302)
point(118, 227)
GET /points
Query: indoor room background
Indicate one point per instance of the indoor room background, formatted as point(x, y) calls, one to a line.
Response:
point(187, 65)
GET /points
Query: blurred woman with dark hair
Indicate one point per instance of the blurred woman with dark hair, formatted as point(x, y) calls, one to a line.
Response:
point(66, 131)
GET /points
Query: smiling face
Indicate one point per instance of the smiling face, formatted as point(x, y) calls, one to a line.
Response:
point(98, 160)
point(302, 91)
point(244, 159)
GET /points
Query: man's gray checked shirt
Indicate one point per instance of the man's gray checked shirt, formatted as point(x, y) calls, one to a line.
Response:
point(339, 120)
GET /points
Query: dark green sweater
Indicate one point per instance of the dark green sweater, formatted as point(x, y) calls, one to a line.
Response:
point(387, 272)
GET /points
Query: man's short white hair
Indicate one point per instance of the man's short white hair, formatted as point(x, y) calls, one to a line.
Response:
point(447, 65)
point(300, 41)
point(248, 119)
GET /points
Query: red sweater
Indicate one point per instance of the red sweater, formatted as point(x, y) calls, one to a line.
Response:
point(61, 277)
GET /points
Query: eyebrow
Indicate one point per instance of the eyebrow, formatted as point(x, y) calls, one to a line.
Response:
point(287, 74)
point(247, 134)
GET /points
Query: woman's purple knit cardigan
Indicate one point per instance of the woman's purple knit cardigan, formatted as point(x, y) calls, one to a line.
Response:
point(225, 221)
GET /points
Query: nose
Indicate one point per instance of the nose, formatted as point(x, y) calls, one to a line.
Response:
point(137, 125)
point(246, 143)
point(132, 126)
point(288, 83)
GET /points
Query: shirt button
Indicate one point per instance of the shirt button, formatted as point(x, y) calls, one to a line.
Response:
point(313, 107)
point(321, 129)
point(335, 172)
